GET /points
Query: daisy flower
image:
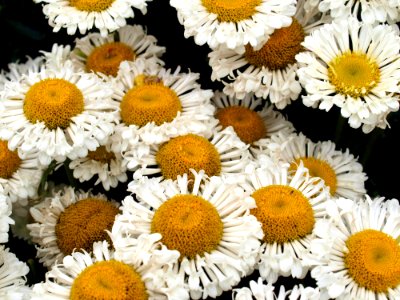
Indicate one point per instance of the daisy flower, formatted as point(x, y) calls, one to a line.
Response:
point(5, 219)
point(356, 250)
point(340, 170)
point(68, 220)
point(58, 112)
point(268, 71)
point(104, 275)
point(84, 15)
point(103, 54)
point(354, 66)
point(233, 23)
point(287, 207)
point(58, 56)
point(207, 220)
point(156, 103)
point(253, 120)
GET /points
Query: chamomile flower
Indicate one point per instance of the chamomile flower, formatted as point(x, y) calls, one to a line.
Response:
point(233, 23)
point(287, 207)
point(84, 15)
point(268, 71)
point(104, 275)
point(99, 54)
point(5, 219)
point(354, 66)
point(340, 170)
point(58, 112)
point(69, 220)
point(207, 220)
point(356, 250)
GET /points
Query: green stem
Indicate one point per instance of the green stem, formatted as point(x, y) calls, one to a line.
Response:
point(373, 138)
point(68, 171)
point(43, 181)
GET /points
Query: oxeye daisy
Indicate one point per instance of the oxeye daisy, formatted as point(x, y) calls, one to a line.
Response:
point(156, 103)
point(233, 23)
point(253, 120)
point(95, 53)
point(5, 219)
point(354, 66)
point(207, 220)
point(268, 71)
point(69, 220)
point(287, 207)
point(104, 275)
point(356, 250)
point(84, 15)
point(340, 170)
point(58, 112)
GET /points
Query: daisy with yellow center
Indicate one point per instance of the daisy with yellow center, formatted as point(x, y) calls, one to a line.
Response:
point(287, 207)
point(57, 112)
point(354, 66)
point(85, 15)
point(268, 71)
point(103, 274)
point(233, 23)
point(207, 220)
point(356, 253)
point(103, 55)
point(69, 220)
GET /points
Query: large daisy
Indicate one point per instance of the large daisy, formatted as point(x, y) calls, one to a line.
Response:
point(233, 23)
point(356, 250)
point(70, 219)
point(268, 71)
point(354, 66)
point(145, 274)
point(207, 220)
point(58, 112)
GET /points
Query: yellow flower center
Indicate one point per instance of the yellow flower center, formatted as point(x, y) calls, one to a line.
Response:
point(54, 102)
point(186, 152)
point(83, 223)
point(373, 260)
point(353, 74)
point(101, 155)
point(91, 5)
point(107, 58)
point(9, 161)
point(285, 214)
point(280, 49)
point(231, 10)
point(108, 280)
point(318, 168)
point(248, 124)
point(189, 224)
point(149, 101)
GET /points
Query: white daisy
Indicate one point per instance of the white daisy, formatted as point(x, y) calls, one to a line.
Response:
point(68, 220)
point(340, 170)
point(356, 250)
point(58, 56)
point(103, 54)
point(270, 70)
point(233, 24)
point(84, 15)
point(207, 220)
point(146, 274)
point(5, 219)
point(354, 66)
point(59, 112)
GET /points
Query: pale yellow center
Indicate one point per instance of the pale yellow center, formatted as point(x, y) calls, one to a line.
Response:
point(9, 161)
point(101, 155)
point(232, 10)
point(91, 5)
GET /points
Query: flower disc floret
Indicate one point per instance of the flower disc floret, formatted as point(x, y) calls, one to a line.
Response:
point(9, 161)
point(232, 10)
point(101, 155)
point(91, 5)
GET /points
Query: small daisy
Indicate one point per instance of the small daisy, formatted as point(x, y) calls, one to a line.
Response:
point(356, 250)
point(5, 219)
point(207, 220)
point(58, 56)
point(84, 15)
point(95, 53)
point(69, 220)
point(270, 70)
point(287, 207)
point(233, 23)
point(104, 275)
point(253, 121)
point(341, 171)
point(354, 66)
point(59, 112)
